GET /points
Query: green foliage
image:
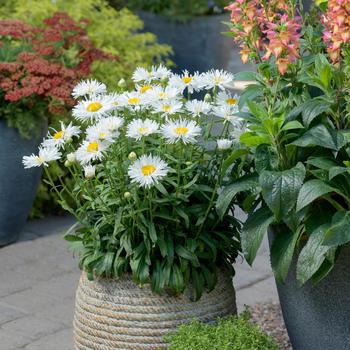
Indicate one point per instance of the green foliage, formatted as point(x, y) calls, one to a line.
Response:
point(113, 31)
point(234, 333)
point(297, 135)
point(175, 9)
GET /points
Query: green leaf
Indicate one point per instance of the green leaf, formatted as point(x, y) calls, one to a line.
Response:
point(246, 76)
point(321, 136)
point(337, 170)
point(257, 109)
point(186, 254)
point(249, 93)
point(152, 232)
point(310, 191)
point(312, 255)
point(252, 140)
point(321, 162)
point(225, 198)
point(339, 233)
point(280, 189)
point(253, 232)
point(282, 252)
point(309, 110)
point(265, 158)
point(294, 124)
point(230, 159)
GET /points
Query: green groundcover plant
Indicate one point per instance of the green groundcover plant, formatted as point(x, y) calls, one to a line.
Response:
point(146, 178)
point(116, 32)
point(297, 130)
point(235, 333)
point(175, 9)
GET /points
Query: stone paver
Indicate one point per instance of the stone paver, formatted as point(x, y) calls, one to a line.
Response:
point(39, 277)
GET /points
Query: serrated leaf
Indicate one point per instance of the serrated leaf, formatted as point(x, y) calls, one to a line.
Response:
point(310, 191)
point(294, 124)
point(339, 232)
point(253, 232)
point(280, 189)
point(225, 198)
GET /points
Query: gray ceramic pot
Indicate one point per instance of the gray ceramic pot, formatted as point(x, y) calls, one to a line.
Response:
point(317, 317)
point(17, 186)
point(198, 44)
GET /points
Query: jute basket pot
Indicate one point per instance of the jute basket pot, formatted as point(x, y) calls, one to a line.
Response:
point(118, 314)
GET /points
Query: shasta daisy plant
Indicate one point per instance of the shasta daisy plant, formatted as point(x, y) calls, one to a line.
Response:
point(147, 177)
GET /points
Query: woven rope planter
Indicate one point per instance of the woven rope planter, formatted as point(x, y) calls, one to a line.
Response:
point(118, 314)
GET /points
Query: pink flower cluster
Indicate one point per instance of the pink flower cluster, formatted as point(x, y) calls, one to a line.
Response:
point(265, 29)
point(336, 22)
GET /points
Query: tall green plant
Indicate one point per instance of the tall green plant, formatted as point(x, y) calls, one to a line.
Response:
point(297, 119)
point(114, 31)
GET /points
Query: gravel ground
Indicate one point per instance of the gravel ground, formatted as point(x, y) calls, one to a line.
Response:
point(270, 320)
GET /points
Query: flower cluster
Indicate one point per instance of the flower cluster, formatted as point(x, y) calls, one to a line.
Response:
point(156, 108)
point(145, 166)
point(34, 69)
point(265, 29)
point(336, 23)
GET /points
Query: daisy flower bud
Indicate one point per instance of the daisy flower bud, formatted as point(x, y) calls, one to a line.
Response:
point(67, 163)
point(89, 171)
point(127, 195)
point(224, 144)
point(71, 157)
point(122, 83)
point(132, 156)
point(207, 98)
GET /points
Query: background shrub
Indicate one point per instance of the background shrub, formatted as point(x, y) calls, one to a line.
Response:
point(235, 333)
point(117, 32)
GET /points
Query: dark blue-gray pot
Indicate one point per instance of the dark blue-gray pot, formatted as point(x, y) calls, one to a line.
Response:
point(317, 317)
point(198, 44)
point(18, 186)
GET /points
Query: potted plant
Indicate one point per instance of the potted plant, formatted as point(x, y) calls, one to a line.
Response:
point(296, 120)
point(192, 28)
point(146, 178)
point(38, 69)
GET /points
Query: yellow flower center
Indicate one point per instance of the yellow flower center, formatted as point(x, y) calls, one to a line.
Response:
point(58, 135)
point(102, 135)
point(231, 101)
point(92, 147)
point(145, 88)
point(133, 100)
point(40, 159)
point(187, 80)
point(148, 170)
point(217, 80)
point(166, 108)
point(181, 130)
point(162, 94)
point(142, 130)
point(94, 107)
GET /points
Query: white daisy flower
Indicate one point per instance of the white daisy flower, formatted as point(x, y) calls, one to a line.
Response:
point(144, 89)
point(198, 107)
point(89, 88)
point(167, 107)
point(217, 78)
point(183, 130)
point(185, 80)
point(160, 72)
point(227, 113)
point(60, 137)
point(91, 150)
point(142, 75)
point(94, 108)
point(227, 100)
point(148, 170)
point(132, 100)
point(160, 94)
point(115, 100)
point(139, 128)
point(89, 171)
point(112, 124)
point(99, 132)
point(224, 144)
point(45, 156)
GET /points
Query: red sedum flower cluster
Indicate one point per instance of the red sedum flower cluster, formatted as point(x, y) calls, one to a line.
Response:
point(336, 22)
point(264, 29)
point(44, 64)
